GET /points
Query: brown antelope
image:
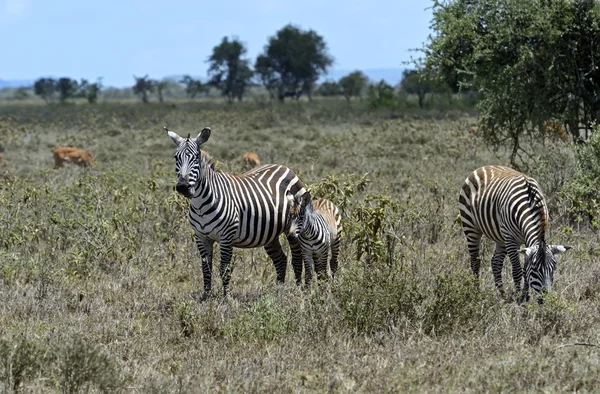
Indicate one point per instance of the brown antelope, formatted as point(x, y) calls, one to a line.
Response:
point(73, 155)
point(555, 131)
point(250, 161)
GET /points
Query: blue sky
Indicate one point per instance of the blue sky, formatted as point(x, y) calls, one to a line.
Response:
point(117, 39)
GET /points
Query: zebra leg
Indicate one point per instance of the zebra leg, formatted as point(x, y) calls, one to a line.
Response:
point(205, 246)
point(473, 240)
point(497, 264)
point(308, 266)
point(225, 268)
point(321, 266)
point(296, 250)
point(335, 251)
point(517, 272)
point(279, 258)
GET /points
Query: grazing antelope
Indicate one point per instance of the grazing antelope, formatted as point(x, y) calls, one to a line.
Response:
point(72, 155)
point(250, 161)
point(509, 208)
point(242, 211)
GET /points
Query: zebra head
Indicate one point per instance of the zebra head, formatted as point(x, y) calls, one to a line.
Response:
point(188, 163)
point(299, 209)
point(540, 263)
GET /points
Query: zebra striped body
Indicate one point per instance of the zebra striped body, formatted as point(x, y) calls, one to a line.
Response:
point(319, 227)
point(243, 211)
point(509, 208)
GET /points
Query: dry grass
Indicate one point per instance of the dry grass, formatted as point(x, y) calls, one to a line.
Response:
point(100, 275)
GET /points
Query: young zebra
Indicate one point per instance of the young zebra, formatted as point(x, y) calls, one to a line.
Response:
point(509, 208)
point(318, 224)
point(243, 211)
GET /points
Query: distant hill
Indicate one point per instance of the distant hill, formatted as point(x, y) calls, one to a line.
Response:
point(15, 83)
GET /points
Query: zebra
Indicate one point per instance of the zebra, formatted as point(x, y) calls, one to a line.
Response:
point(509, 208)
point(243, 211)
point(318, 224)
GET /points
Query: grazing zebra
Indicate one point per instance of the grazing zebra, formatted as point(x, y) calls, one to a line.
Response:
point(509, 208)
point(250, 160)
point(243, 211)
point(318, 224)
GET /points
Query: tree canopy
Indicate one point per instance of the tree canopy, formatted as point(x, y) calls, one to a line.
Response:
point(530, 60)
point(229, 71)
point(292, 62)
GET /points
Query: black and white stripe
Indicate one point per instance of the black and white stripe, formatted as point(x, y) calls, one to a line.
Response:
point(318, 226)
point(242, 211)
point(509, 208)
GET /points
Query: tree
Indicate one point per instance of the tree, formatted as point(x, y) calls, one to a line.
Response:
point(193, 87)
point(292, 62)
point(90, 91)
point(381, 95)
point(143, 86)
point(329, 88)
point(353, 84)
point(21, 93)
point(229, 71)
point(419, 83)
point(530, 60)
point(67, 88)
point(45, 88)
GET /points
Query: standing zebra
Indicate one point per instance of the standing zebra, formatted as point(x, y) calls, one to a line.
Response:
point(243, 211)
point(510, 208)
point(318, 224)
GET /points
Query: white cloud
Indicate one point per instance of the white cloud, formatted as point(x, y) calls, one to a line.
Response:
point(13, 8)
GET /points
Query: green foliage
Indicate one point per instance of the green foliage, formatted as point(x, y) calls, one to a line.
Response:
point(381, 95)
point(19, 361)
point(292, 62)
point(580, 192)
point(329, 89)
point(228, 70)
point(262, 321)
point(456, 304)
point(531, 61)
point(353, 84)
point(417, 82)
point(21, 94)
point(81, 365)
point(45, 88)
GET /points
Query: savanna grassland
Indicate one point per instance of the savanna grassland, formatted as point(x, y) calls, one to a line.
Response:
point(100, 278)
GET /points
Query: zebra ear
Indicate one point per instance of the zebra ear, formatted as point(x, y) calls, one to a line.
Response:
point(523, 250)
point(559, 249)
point(174, 137)
point(203, 136)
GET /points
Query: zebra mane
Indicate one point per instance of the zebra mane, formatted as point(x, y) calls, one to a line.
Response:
point(536, 203)
point(208, 160)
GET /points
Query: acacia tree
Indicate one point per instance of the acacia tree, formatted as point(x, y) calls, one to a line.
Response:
point(193, 87)
point(45, 88)
point(419, 83)
point(143, 86)
point(90, 91)
point(353, 84)
point(530, 60)
point(67, 88)
point(292, 62)
point(229, 71)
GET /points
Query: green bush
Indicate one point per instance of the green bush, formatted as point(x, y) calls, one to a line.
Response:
point(581, 193)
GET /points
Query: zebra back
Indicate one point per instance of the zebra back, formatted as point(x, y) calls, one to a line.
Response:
point(331, 214)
